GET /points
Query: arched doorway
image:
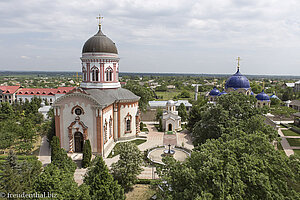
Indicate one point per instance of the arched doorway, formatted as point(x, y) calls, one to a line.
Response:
point(170, 127)
point(78, 142)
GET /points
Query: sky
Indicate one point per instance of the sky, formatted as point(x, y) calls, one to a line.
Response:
point(181, 36)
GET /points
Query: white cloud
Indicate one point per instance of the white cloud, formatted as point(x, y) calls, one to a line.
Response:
point(221, 30)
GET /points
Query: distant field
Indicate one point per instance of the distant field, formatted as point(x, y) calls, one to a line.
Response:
point(171, 94)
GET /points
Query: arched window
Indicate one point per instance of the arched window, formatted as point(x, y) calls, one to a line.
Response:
point(128, 123)
point(110, 127)
point(105, 131)
point(109, 74)
point(95, 74)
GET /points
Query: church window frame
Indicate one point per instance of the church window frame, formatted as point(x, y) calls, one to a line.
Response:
point(109, 74)
point(110, 127)
point(77, 110)
point(95, 74)
point(105, 131)
point(128, 123)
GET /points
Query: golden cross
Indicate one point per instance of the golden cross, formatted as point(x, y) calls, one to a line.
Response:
point(238, 59)
point(99, 18)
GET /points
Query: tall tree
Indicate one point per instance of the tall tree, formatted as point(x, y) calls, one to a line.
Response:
point(55, 146)
point(232, 167)
point(87, 154)
point(144, 93)
point(129, 165)
point(101, 183)
point(182, 112)
point(56, 181)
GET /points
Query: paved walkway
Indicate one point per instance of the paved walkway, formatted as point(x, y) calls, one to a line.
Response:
point(285, 144)
point(44, 154)
point(154, 139)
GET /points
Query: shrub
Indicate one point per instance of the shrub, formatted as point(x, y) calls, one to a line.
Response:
point(87, 154)
point(55, 146)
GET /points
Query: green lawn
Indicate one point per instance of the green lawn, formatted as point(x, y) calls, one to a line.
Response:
point(295, 142)
point(297, 151)
point(117, 147)
point(170, 94)
point(289, 133)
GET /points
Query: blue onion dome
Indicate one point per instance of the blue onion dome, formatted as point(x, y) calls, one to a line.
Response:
point(274, 96)
point(214, 92)
point(223, 92)
point(262, 96)
point(237, 81)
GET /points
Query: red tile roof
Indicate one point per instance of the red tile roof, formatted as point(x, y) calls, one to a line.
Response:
point(9, 89)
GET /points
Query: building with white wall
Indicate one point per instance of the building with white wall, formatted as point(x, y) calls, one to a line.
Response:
point(171, 121)
point(99, 110)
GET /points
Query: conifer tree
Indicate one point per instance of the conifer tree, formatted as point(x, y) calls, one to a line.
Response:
point(101, 183)
point(55, 146)
point(87, 154)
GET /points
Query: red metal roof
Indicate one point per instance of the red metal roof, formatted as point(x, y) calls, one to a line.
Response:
point(9, 89)
point(44, 91)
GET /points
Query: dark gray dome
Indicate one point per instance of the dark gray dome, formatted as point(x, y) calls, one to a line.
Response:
point(99, 43)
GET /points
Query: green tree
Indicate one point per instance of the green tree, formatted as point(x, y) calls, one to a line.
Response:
point(26, 135)
point(55, 146)
point(18, 176)
point(129, 166)
point(6, 111)
point(8, 133)
point(101, 183)
point(10, 177)
point(144, 93)
point(230, 111)
point(184, 94)
point(275, 101)
point(182, 112)
point(159, 113)
point(195, 113)
point(87, 154)
point(232, 167)
point(64, 162)
point(56, 181)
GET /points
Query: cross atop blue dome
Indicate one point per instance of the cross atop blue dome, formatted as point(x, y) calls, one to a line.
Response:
point(237, 81)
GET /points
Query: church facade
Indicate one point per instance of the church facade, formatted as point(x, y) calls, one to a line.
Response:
point(99, 110)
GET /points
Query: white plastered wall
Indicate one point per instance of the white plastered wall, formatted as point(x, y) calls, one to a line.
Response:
point(88, 118)
point(124, 110)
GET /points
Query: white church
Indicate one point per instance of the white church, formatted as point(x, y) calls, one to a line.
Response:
point(99, 110)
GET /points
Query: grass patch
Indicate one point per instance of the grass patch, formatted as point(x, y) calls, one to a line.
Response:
point(289, 133)
point(117, 149)
point(140, 192)
point(170, 94)
point(294, 142)
point(145, 130)
point(297, 152)
point(169, 132)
